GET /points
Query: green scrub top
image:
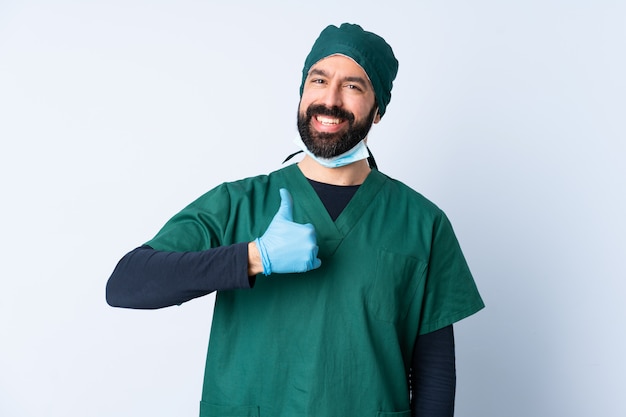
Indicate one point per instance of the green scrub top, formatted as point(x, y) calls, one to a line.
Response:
point(336, 341)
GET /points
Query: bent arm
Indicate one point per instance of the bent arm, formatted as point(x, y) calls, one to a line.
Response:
point(148, 279)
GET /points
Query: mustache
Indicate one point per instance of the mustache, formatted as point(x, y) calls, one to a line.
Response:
point(334, 111)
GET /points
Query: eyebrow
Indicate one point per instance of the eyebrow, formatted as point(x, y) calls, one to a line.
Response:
point(353, 79)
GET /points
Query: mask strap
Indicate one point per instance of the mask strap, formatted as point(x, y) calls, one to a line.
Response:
point(291, 156)
point(370, 159)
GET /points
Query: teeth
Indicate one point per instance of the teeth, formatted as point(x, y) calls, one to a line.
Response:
point(328, 121)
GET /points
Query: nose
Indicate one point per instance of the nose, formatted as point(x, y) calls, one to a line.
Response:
point(332, 97)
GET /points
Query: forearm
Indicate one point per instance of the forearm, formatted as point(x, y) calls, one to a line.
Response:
point(433, 374)
point(146, 278)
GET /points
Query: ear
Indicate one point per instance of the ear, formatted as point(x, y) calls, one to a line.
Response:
point(377, 117)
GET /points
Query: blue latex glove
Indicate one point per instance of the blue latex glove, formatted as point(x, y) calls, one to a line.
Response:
point(288, 247)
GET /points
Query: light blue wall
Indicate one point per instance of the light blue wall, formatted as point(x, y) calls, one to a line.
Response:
point(116, 114)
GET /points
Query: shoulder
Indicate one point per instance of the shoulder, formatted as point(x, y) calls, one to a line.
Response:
point(402, 194)
point(261, 180)
point(242, 189)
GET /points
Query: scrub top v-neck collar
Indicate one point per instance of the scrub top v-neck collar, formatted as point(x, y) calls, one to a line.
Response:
point(330, 232)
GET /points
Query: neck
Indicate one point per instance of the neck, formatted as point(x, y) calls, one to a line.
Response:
point(352, 174)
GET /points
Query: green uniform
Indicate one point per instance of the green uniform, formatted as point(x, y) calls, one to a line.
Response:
point(336, 341)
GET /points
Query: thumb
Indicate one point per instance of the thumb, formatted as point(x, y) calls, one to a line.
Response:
point(285, 210)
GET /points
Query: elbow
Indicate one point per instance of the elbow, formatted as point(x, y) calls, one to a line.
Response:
point(121, 286)
point(133, 285)
point(113, 295)
point(116, 297)
point(119, 294)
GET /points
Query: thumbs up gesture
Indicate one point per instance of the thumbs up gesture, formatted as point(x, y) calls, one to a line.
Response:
point(288, 247)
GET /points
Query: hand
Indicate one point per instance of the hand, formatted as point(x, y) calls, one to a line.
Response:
point(288, 247)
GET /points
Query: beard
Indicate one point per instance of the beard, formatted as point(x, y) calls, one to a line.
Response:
point(328, 145)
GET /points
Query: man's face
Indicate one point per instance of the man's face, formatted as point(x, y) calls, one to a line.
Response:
point(337, 108)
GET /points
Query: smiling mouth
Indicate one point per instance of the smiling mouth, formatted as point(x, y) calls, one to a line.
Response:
point(328, 121)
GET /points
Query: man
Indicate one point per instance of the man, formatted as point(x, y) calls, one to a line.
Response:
point(360, 278)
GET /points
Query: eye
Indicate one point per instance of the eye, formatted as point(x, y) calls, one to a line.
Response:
point(354, 87)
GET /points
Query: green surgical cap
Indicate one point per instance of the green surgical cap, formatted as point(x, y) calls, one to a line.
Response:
point(367, 49)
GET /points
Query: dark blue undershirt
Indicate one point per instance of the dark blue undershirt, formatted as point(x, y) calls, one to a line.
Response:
point(334, 197)
point(148, 279)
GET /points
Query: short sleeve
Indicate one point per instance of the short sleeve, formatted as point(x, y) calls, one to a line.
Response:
point(450, 291)
point(199, 226)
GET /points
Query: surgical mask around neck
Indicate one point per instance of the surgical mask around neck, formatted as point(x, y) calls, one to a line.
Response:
point(357, 153)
